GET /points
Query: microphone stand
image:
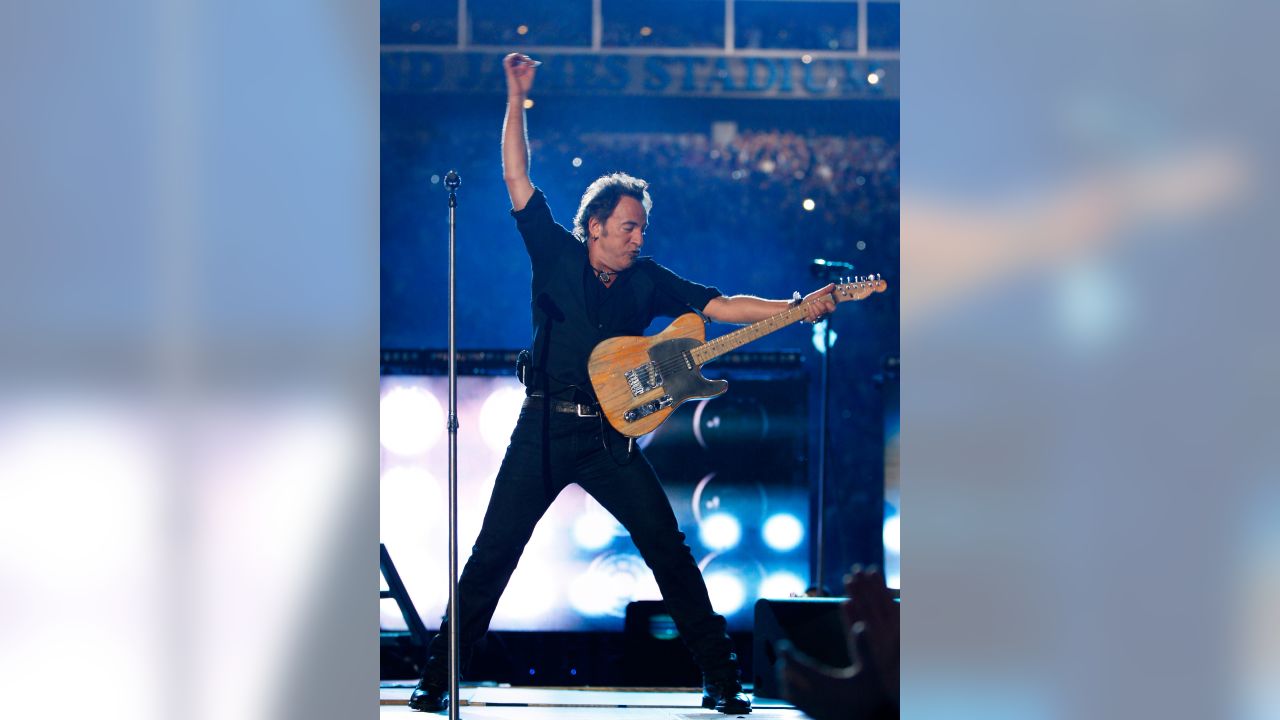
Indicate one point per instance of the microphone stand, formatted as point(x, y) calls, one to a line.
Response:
point(819, 588)
point(451, 182)
point(827, 270)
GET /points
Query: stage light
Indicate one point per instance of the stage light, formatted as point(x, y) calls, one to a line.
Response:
point(435, 179)
point(646, 31)
point(783, 532)
point(577, 162)
point(498, 416)
point(874, 77)
point(782, 584)
point(892, 534)
point(720, 531)
point(608, 585)
point(522, 30)
point(726, 591)
point(411, 420)
point(808, 204)
point(404, 494)
point(818, 329)
point(594, 531)
point(806, 58)
point(862, 245)
point(590, 597)
point(529, 596)
point(528, 103)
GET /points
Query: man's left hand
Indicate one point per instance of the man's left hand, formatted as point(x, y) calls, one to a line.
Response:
point(819, 303)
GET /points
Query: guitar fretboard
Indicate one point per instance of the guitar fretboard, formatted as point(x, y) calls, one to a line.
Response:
point(713, 349)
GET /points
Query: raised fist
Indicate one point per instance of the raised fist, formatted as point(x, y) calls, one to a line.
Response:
point(520, 69)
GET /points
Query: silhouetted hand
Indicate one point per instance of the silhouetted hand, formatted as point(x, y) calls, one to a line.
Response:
point(867, 688)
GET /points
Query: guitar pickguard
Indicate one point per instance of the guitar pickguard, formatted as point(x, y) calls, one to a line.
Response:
point(681, 377)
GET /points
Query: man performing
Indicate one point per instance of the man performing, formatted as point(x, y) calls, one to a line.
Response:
point(590, 285)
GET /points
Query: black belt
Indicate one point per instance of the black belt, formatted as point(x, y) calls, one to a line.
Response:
point(564, 406)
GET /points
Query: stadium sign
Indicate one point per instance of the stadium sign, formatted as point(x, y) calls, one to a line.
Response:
point(789, 76)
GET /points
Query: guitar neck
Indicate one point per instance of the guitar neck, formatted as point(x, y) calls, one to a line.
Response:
point(728, 342)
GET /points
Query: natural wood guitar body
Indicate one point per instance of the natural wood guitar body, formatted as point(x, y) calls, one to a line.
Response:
point(615, 357)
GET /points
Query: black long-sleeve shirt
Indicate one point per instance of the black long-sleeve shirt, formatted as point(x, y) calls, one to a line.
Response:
point(573, 311)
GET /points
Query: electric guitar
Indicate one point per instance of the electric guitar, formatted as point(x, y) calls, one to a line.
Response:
point(640, 381)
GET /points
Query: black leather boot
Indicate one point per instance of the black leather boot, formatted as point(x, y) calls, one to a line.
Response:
point(430, 696)
point(725, 694)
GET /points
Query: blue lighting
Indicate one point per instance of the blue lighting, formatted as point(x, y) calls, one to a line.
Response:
point(783, 532)
point(818, 329)
point(720, 531)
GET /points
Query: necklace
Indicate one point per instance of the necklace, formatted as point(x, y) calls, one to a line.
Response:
point(605, 276)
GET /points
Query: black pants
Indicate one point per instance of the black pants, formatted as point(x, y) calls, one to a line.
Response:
point(540, 462)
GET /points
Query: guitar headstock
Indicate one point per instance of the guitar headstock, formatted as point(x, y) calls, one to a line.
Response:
point(857, 288)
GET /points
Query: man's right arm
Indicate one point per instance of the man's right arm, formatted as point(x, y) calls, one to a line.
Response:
point(515, 148)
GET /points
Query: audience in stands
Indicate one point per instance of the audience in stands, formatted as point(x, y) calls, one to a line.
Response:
point(752, 186)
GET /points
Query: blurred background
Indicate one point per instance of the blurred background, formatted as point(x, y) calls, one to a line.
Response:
point(769, 133)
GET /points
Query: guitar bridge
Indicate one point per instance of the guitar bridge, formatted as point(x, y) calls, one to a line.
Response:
point(647, 409)
point(643, 379)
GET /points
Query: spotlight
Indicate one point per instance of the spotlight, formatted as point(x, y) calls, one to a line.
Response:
point(410, 419)
point(498, 416)
point(594, 531)
point(577, 162)
point(589, 597)
point(806, 58)
point(892, 534)
point(522, 30)
point(782, 584)
point(612, 581)
point(403, 491)
point(783, 532)
point(528, 103)
point(530, 598)
point(808, 204)
point(646, 31)
point(726, 591)
point(873, 77)
point(720, 531)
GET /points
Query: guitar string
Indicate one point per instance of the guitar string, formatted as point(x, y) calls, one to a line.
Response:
point(677, 362)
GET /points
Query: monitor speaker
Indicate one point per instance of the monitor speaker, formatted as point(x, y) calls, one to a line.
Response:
point(812, 625)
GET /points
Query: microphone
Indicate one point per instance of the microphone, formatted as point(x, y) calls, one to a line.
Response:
point(830, 268)
point(452, 181)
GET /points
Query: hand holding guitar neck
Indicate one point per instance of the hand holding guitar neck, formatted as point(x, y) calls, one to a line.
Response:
point(819, 303)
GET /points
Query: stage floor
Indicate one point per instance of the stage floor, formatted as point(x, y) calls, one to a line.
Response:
point(527, 703)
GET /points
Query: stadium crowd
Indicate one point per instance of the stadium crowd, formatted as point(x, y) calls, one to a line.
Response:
point(800, 195)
